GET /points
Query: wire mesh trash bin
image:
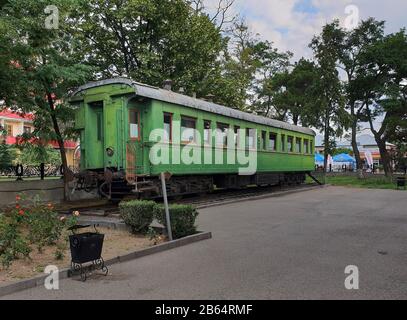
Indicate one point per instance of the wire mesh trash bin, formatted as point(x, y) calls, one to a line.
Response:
point(401, 182)
point(85, 248)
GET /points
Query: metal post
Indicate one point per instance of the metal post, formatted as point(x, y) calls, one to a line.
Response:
point(42, 171)
point(167, 210)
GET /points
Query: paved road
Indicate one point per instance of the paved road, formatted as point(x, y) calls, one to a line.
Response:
point(291, 247)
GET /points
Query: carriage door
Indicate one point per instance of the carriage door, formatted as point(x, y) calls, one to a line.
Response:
point(134, 159)
point(95, 158)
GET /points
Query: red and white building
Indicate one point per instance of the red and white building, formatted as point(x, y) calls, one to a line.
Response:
point(16, 124)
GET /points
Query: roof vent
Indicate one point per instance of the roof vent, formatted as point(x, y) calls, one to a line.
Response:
point(167, 84)
point(181, 90)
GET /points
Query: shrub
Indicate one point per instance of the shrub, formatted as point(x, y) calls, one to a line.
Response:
point(182, 219)
point(44, 225)
point(12, 243)
point(138, 214)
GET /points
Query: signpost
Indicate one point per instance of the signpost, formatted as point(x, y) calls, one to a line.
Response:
point(164, 177)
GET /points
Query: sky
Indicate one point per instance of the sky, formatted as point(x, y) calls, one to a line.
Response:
point(291, 24)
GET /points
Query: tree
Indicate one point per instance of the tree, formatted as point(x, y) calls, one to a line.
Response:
point(351, 46)
point(151, 41)
point(292, 91)
point(327, 112)
point(221, 16)
point(6, 157)
point(240, 65)
point(269, 62)
point(47, 67)
point(385, 91)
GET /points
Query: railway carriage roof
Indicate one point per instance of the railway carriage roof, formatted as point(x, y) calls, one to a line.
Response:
point(183, 100)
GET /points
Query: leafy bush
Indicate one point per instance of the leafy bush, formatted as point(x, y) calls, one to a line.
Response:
point(44, 225)
point(12, 243)
point(138, 214)
point(37, 224)
point(183, 219)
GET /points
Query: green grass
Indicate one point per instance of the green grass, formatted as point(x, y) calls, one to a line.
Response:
point(369, 182)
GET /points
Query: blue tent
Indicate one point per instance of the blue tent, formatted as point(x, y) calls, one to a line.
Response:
point(343, 158)
point(319, 157)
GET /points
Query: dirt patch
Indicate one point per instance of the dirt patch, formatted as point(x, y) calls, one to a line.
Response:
point(116, 243)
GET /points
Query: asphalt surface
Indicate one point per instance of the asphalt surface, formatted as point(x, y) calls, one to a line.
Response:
point(290, 247)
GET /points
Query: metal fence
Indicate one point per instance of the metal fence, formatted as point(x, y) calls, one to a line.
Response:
point(42, 171)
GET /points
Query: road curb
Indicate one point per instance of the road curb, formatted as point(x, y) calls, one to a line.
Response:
point(65, 273)
point(263, 196)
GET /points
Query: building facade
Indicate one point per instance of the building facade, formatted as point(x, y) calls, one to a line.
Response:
point(365, 143)
point(15, 124)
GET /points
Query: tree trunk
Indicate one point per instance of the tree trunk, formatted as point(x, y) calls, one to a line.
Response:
point(384, 154)
point(326, 142)
point(356, 153)
point(61, 146)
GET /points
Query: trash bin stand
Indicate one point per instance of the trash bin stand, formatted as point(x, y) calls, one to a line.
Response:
point(86, 248)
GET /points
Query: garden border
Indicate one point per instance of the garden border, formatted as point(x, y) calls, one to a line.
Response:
point(65, 273)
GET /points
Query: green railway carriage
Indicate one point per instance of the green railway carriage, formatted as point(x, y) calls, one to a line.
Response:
point(118, 119)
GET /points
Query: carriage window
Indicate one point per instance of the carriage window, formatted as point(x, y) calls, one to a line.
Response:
point(283, 143)
point(207, 132)
point(188, 127)
point(290, 144)
point(99, 125)
point(168, 126)
point(134, 124)
point(222, 134)
point(298, 145)
point(236, 135)
point(306, 146)
point(273, 141)
point(250, 138)
point(263, 140)
point(311, 147)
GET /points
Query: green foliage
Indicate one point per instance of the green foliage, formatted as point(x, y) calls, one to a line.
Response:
point(44, 67)
point(12, 243)
point(183, 219)
point(150, 41)
point(34, 155)
point(7, 155)
point(327, 112)
point(373, 182)
point(138, 214)
point(291, 92)
point(337, 151)
point(44, 225)
point(24, 226)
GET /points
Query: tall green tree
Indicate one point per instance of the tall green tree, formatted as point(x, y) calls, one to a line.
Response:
point(269, 62)
point(292, 90)
point(240, 65)
point(328, 113)
point(351, 46)
point(151, 41)
point(6, 156)
point(43, 56)
point(385, 92)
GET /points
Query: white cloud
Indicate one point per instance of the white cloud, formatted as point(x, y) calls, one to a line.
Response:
point(291, 29)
